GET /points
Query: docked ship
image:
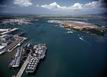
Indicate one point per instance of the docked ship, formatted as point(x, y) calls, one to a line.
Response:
point(37, 54)
point(17, 59)
point(2, 49)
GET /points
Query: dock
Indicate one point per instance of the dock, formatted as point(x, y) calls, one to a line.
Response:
point(21, 71)
point(6, 31)
point(32, 60)
point(17, 42)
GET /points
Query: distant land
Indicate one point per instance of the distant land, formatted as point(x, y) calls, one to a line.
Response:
point(56, 15)
point(64, 20)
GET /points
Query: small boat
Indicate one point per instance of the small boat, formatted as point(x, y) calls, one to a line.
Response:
point(81, 38)
point(69, 31)
point(61, 25)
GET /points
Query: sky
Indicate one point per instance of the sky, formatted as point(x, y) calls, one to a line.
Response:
point(52, 7)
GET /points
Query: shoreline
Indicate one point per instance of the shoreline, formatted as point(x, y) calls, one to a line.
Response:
point(81, 26)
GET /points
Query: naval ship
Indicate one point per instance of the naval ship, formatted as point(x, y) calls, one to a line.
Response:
point(17, 58)
point(38, 53)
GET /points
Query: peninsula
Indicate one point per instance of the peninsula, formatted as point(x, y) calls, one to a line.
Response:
point(81, 26)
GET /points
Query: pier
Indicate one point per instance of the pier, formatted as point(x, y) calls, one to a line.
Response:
point(21, 71)
point(6, 31)
point(17, 42)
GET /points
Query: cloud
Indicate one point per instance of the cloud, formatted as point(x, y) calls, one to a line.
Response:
point(93, 4)
point(53, 5)
point(23, 3)
point(56, 6)
point(75, 6)
point(3, 5)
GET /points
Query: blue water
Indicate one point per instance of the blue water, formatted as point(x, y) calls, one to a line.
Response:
point(67, 55)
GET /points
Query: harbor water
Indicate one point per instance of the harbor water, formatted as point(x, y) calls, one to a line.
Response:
point(67, 54)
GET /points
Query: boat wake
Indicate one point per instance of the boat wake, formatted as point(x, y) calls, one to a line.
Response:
point(82, 39)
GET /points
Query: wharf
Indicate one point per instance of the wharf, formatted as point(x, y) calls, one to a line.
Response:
point(9, 30)
point(17, 42)
point(21, 71)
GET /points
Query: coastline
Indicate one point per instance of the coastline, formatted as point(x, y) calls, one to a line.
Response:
point(81, 26)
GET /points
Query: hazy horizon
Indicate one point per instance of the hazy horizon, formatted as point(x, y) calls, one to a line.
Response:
point(52, 7)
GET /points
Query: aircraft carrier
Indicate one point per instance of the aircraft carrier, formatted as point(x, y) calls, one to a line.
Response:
point(36, 56)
